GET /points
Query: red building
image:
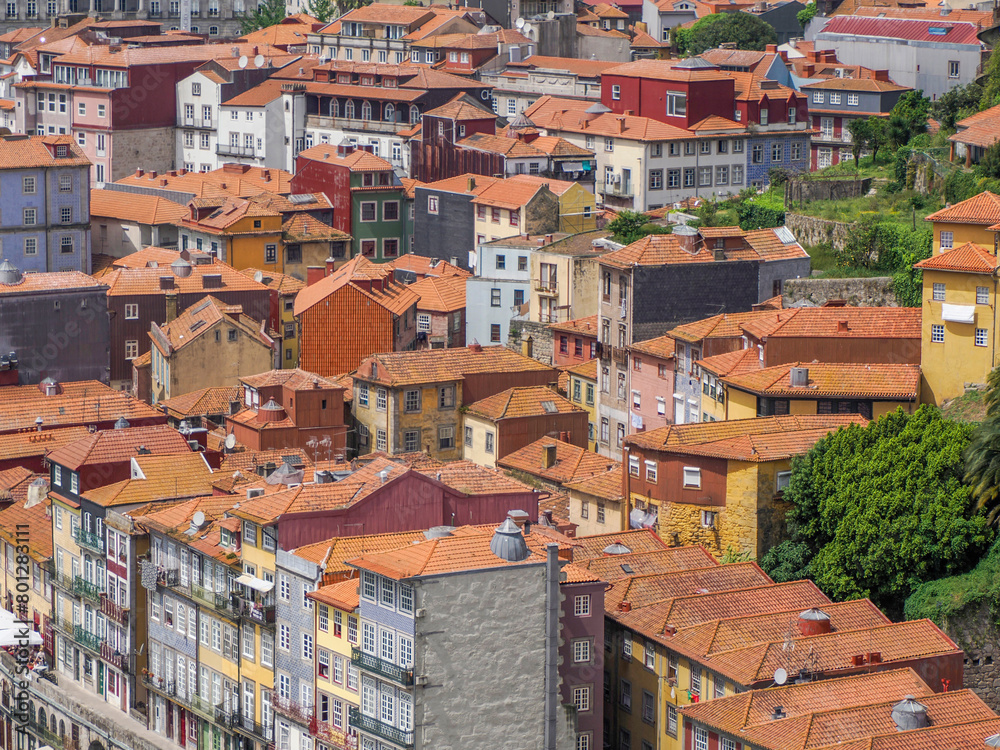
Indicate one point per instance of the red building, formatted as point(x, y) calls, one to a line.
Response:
point(435, 156)
point(440, 312)
point(574, 341)
point(290, 409)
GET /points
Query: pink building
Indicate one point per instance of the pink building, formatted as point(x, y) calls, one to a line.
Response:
point(440, 312)
point(574, 341)
point(652, 383)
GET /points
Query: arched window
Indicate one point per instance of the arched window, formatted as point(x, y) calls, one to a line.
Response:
point(62, 728)
point(390, 112)
point(349, 109)
point(52, 721)
point(43, 720)
point(334, 108)
point(414, 114)
point(366, 110)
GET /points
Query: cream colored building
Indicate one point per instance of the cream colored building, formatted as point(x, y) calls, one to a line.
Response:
point(564, 276)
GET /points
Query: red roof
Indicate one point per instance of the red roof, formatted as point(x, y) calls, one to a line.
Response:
point(911, 30)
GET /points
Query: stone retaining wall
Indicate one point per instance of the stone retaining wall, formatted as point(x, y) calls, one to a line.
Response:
point(864, 292)
point(809, 230)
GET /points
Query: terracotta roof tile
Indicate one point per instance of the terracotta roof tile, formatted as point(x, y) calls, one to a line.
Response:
point(204, 401)
point(643, 590)
point(515, 403)
point(832, 380)
point(292, 379)
point(423, 266)
point(731, 363)
point(761, 439)
point(570, 115)
point(958, 33)
point(661, 347)
point(473, 479)
point(278, 282)
point(356, 161)
point(587, 326)
point(24, 151)
point(25, 445)
point(607, 485)
point(144, 281)
point(112, 446)
point(442, 365)
point(164, 477)
point(238, 180)
point(983, 208)
point(555, 146)
point(969, 736)
point(333, 552)
point(81, 402)
point(838, 322)
point(51, 281)
point(637, 540)
point(855, 84)
point(443, 294)
point(586, 369)
point(200, 318)
point(343, 595)
point(462, 107)
point(396, 298)
point(663, 560)
point(666, 70)
point(572, 464)
point(981, 129)
point(582, 67)
point(34, 519)
point(968, 258)
point(142, 209)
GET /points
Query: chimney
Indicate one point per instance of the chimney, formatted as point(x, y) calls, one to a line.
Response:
point(265, 175)
point(799, 377)
point(476, 346)
point(472, 184)
point(882, 75)
point(139, 172)
point(779, 711)
point(808, 70)
point(686, 237)
point(152, 175)
point(773, 48)
point(564, 436)
point(166, 282)
point(314, 274)
point(330, 266)
point(624, 606)
point(211, 281)
point(548, 456)
point(814, 621)
point(719, 254)
point(171, 302)
point(519, 517)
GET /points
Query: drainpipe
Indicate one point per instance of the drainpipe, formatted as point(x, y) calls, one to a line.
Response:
point(551, 643)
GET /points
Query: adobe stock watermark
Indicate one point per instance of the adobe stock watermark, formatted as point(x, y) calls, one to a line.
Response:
point(21, 648)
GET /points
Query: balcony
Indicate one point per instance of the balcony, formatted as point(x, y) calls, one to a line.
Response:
point(199, 122)
point(550, 288)
point(62, 580)
point(386, 127)
point(226, 718)
point(86, 639)
point(44, 734)
point(62, 624)
point(620, 355)
point(371, 725)
point(115, 658)
point(372, 663)
point(87, 589)
point(292, 709)
point(227, 149)
point(89, 540)
point(114, 611)
point(618, 189)
point(203, 707)
point(168, 577)
point(255, 611)
point(254, 728)
point(203, 595)
point(337, 738)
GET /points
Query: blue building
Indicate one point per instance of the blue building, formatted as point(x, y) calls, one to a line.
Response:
point(45, 216)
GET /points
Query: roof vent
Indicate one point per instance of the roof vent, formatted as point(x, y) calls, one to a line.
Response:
point(814, 621)
point(508, 542)
point(548, 456)
point(166, 282)
point(779, 713)
point(908, 714)
point(617, 549)
point(799, 377)
point(122, 424)
point(211, 281)
point(10, 274)
point(993, 740)
point(180, 268)
point(438, 532)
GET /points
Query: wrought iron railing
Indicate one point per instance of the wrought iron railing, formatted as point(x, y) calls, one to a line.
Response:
point(372, 663)
point(371, 725)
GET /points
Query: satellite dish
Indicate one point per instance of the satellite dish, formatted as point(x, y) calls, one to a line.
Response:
point(519, 23)
point(198, 518)
point(258, 276)
point(780, 676)
point(527, 29)
point(243, 61)
point(230, 441)
point(550, 15)
point(258, 61)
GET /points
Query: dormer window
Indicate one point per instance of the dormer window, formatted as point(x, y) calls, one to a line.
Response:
point(389, 83)
point(374, 371)
point(367, 80)
point(344, 78)
point(57, 475)
point(225, 539)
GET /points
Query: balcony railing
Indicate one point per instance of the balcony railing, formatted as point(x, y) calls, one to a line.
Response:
point(372, 663)
point(618, 189)
point(203, 595)
point(167, 687)
point(260, 613)
point(253, 728)
point(227, 149)
point(168, 577)
point(202, 706)
point(338, 738)
point(62, 580)
point(547, 288)
point(325, 122)
point(292, 709)
point(89, 540)
point(199, 122)
point(371, 725)
point(114, 611)
point(87, 589)
point(226, 718)
point(86, 639)
point(44, 734)
point(115, 658)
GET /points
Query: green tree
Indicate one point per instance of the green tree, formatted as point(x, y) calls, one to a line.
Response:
point(908, 118)
point(626, 227)
point(861, 133)
point(989, 164)
point(882, 508)
point(807, 14)
point(956, 104)
point(878, 135)
point(322, 10)
point(982, 459)
point(761, 211)
point(267, 13)
point(746, 30)
point(991, 83)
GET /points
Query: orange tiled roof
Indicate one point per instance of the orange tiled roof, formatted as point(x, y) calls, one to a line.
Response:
point(587, 326)
point(662, 347)
point(983, 208)
point(462, 107)
point(666, 70)
point(333, 552)
point(26, 151)
point(572, 463)
point(421, 265)
point(968, 258)
point(398, 369)
point(583, 67)
point(660, 560)
point(144, 281)
point(142, 209)
point(832, 380)
point(292, 379)
point(607, 485)
point(201, 317)
point(162, 477)
point(472, 479)
point(637, 540)
point(51, 281)
point(553, 145)
point(204, 401)
point(35, 519)
point(646, 589)
point(570, 115)
point(239, 180)
point(443, 294)
point(855, 84)
point(80, 402)
point(109, 446)
point(515, 403)
point(981, 129)
point(731, 363)
point(837, 322)
point(303, 227)
point(970, 735)
point(342, 595)
point(17, 445)
point(761, 439)
point(278, 282)
point(396, 298)
point(587, 370)
point(357, 161)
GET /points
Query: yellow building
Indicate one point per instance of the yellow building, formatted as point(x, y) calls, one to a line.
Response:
point(959, 321)
point(596, 504)
point(337, 687)
point(509, 208)
point(821, 388)
point(719, 484)
point(241, 232)
point(211, 344)
point(968, 221)
point(713, 369)
point(577, 205)
point(564, 274)
point(582, 392)
point(285, 287)
point(26, 546)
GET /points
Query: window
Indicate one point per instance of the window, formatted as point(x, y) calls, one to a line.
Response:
point(390, 211)
point(65, 183)
point(648, 655)
point(705, 176)
point(651, 471)
point(720, 687)
point(676, 104)
point(446, 397)
point(656, 179)
point(363, 394)
point(381, 440)
point(834, 98)
point(501, 262)
point(939, 291)
point(722, 175)
point(518, 297)
point(30, 216)
point(132, 347)
point(777, 151)
point(609, 144)
point(982, 337)
point(28, 185)
point(671, 720)
point(387, 593)
point(131, 312)
point(581, 605)
point(757, 155)
point(616, 92)
point(781, 480)
point(765, 115)
point(700, 739)
point(581, 698)
point(380, 399)
point(369, 211)
point(982, 295)
point(66, 244)
point(627, 648)
point(852, 100)
point(648, 707)
point(796, 151)
point(625, 699)
point(432, 204)
point(947, 240)
point(494, 297)
point(728, 744)
point(937, 334)
point(411, 400)
point(692, 477)
point(817, 97)
point(446, 438)
point(696, 681)
point(489, 442)
point(953, 69)
point(581, 651)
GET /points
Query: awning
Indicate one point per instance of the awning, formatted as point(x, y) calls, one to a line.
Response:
point(958, 313)
point(573, 166)
point(255, 583)
point(14, 632)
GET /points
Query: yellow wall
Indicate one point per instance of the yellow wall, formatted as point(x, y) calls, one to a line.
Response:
point(63, 539)
point(589, 406)
point(337, 647)
point(740, 404)
point(287, 317)
point(614, 517)
point(492, 231)
point(716, 410)
point(427, 420)
point(962, 233)
point(947, 367)
point(573, 216)
point(477, 451)
point(743, 405)
point(263, 677)
point(247, 250)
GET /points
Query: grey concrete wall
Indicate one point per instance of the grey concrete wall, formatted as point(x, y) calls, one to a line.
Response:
point(448, 234)
point(867, 292)
point(481, 646)
point(153, 148)
point(781, 271)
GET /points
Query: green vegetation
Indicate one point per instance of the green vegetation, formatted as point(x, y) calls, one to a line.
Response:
point(969, 407)
point(267, 13)
point(761, 211)
point(807, 14)
point(747, 31)
point(629, 226)
point(991, 83)
point(908, 118)
point(956, 104)
point(982, 460)
point(322, 10)
point(879, 510)
point(944, 597)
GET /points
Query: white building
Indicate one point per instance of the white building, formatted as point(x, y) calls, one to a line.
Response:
point(502, 283)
